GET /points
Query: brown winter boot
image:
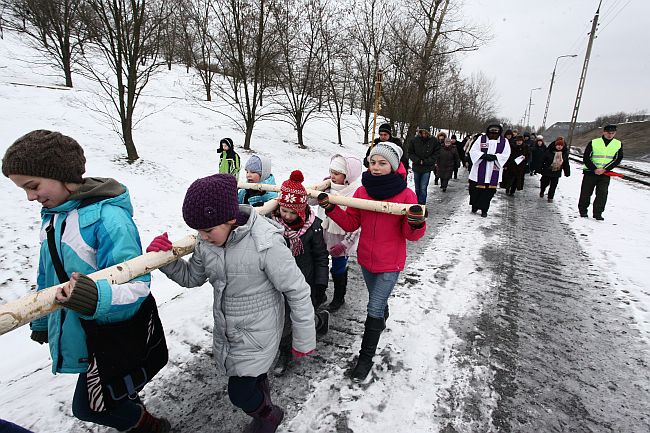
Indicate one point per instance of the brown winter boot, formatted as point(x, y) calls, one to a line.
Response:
point(150, 424)
point(268, 416)
point(371, 335)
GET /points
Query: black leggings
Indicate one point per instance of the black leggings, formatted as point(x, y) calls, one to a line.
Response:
point(549, 181)
point(245, 392)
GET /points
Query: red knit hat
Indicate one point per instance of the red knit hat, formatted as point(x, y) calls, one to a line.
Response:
point(293, 195)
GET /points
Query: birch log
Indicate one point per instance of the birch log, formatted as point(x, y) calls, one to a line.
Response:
point(271, 205)
point(359, 203)
point(24, 310)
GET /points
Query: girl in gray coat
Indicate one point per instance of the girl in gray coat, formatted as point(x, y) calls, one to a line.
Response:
point(245, 258)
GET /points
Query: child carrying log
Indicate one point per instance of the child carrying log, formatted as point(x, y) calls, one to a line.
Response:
point(382, 242)
point(90, 226)
point(304, 237)
point(245, 258)
point(345, 172)
point(258, 170)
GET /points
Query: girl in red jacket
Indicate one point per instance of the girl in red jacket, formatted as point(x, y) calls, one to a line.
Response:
point(382, 242)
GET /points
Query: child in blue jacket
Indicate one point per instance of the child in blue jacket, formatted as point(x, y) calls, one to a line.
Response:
point(91, 219)
point(258, 170)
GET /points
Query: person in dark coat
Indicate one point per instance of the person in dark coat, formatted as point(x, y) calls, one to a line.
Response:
point(423, 152)
point(441, 141)
point(448, 161)
point(513, 172)
point(386, 135)
point(556, 160)
point(460, 150)
point(509, 135)
point(529, 143)
point(537, 155)
point(304, 236)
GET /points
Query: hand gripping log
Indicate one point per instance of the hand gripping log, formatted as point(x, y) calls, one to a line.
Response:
point(359, 203)
point(24, 310)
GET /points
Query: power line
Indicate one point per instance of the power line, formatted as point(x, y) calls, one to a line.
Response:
point(614, 17)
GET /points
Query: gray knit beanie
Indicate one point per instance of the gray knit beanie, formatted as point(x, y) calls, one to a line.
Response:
point(47, 154)
point(392, 153)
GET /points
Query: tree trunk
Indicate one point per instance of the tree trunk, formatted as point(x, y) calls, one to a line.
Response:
point(301, 143)
point(67, 70)
point(249, 134)
point(127, 134)
point(208, 90)
point(338, 128)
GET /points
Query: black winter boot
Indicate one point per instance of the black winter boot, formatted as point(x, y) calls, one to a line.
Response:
point(340, 288)
point(322, 322)
point(268, 416)
point(371, 335)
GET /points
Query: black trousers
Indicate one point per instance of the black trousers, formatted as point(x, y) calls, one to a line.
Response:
point(590, 182)
point(480, 196)
point(245, 393)
point(547, 181)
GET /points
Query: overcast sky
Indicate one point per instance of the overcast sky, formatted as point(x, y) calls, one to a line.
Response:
point(528, 36)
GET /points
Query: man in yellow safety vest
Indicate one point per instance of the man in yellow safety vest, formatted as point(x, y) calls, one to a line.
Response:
point(600, 157)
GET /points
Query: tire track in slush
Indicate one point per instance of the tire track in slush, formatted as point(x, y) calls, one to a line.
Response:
point(564, 354)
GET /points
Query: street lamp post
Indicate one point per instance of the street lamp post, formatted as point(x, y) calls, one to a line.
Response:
point(530, 102)
point(550, 88)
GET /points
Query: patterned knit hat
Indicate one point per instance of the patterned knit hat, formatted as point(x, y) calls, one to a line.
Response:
point(47, 154)
point(390, 151)
point(293, 195)
point(338, 164)
point(211, 201)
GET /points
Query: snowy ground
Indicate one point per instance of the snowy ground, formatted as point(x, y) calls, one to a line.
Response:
point(446, 277)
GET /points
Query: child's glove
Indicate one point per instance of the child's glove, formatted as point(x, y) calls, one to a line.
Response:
point(415, 216)
point(39, 336)
point(337, 250)
point(160, 243)
point(297, 354)
point(324, 201)
point(80, 294)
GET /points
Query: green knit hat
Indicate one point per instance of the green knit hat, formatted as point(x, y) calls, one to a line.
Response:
point(47, 154)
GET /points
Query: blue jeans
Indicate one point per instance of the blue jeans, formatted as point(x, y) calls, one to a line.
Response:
point(122, 417)
point(421, 186)
point(339, 265)
point(380, 286)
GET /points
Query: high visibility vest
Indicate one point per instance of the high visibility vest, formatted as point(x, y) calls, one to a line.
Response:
point(602, 155)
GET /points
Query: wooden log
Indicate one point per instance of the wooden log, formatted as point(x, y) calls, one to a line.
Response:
point(24, 310)
point(359, 203)
point(270, 206)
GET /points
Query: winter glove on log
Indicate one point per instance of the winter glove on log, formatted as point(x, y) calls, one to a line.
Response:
point(337, 250)
point(324, 201)
point(160, 243)
point(39, 336)
point(297, 354)
point(80, 294)
point(415, 216)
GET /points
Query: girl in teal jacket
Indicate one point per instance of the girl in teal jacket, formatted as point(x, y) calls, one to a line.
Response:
point(91, 219)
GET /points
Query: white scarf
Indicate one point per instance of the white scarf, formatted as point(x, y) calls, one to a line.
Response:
point(342, 190)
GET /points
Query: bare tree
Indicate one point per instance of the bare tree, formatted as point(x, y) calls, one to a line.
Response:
point(202, 41)
point(54, 28)
point(246, 52)
point(431, 29)
point(125, 33)
point(337, 69)
point(367, 37)
point(297, 71)
point(171, 31)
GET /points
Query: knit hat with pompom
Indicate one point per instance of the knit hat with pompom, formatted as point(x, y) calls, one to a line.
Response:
point(293, 195)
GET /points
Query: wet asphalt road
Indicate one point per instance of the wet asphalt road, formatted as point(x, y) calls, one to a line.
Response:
point(558, 346)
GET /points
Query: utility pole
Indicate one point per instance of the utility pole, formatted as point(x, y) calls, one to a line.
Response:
point(583, 76)
point(530, 103)
point(550, 88)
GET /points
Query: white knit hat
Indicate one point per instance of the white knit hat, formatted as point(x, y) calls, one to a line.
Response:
point(339, 165)
point(392, 153)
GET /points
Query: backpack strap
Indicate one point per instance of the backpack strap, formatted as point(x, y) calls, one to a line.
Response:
point(54, 254)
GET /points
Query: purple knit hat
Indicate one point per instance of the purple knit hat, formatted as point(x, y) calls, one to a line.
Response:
point(211, 201)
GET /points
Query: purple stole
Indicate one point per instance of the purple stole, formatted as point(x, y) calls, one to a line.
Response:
point(482, 167)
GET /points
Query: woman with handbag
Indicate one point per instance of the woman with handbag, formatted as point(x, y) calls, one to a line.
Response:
point(87, 225)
